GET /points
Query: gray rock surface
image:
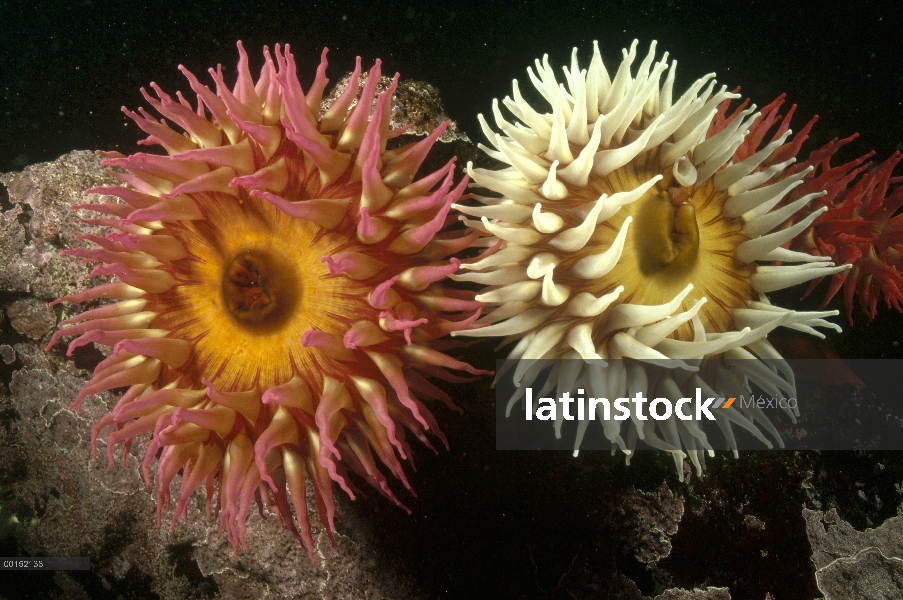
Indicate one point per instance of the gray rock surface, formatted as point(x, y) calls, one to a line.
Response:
point(36, 221)
point(649, 520)
point(856, 564)
point(31, 317)
point(711, 593)
point(416, 105)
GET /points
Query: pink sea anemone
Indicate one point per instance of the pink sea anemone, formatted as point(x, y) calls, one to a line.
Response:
point(277, 296)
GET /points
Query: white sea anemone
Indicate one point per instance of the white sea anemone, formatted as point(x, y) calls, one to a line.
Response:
point(633, 225)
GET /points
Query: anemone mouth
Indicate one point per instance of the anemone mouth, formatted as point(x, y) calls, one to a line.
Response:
point(666, 237)
point(259, 290)
point(253, 286)
point(678, 236)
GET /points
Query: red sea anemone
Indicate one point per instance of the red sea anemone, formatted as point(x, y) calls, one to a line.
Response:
point(277, 298)
point(860, 227)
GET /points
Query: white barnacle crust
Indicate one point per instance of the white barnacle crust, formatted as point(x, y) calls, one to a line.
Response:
point(637, 231)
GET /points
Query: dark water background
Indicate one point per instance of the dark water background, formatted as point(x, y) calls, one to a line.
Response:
point(67, 67)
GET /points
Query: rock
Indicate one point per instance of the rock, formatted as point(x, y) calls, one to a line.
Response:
point(709, 593)
point(36, 221)
point(7, 354)
point(649, 520)
point(31, 317)
point(416, 106)
point(855, 564)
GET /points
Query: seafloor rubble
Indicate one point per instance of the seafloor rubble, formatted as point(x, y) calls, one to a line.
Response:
point(510, 524)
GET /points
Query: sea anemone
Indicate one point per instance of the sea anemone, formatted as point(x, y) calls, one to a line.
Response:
point(633, 231)
point(277, 301)
point(860, 227)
